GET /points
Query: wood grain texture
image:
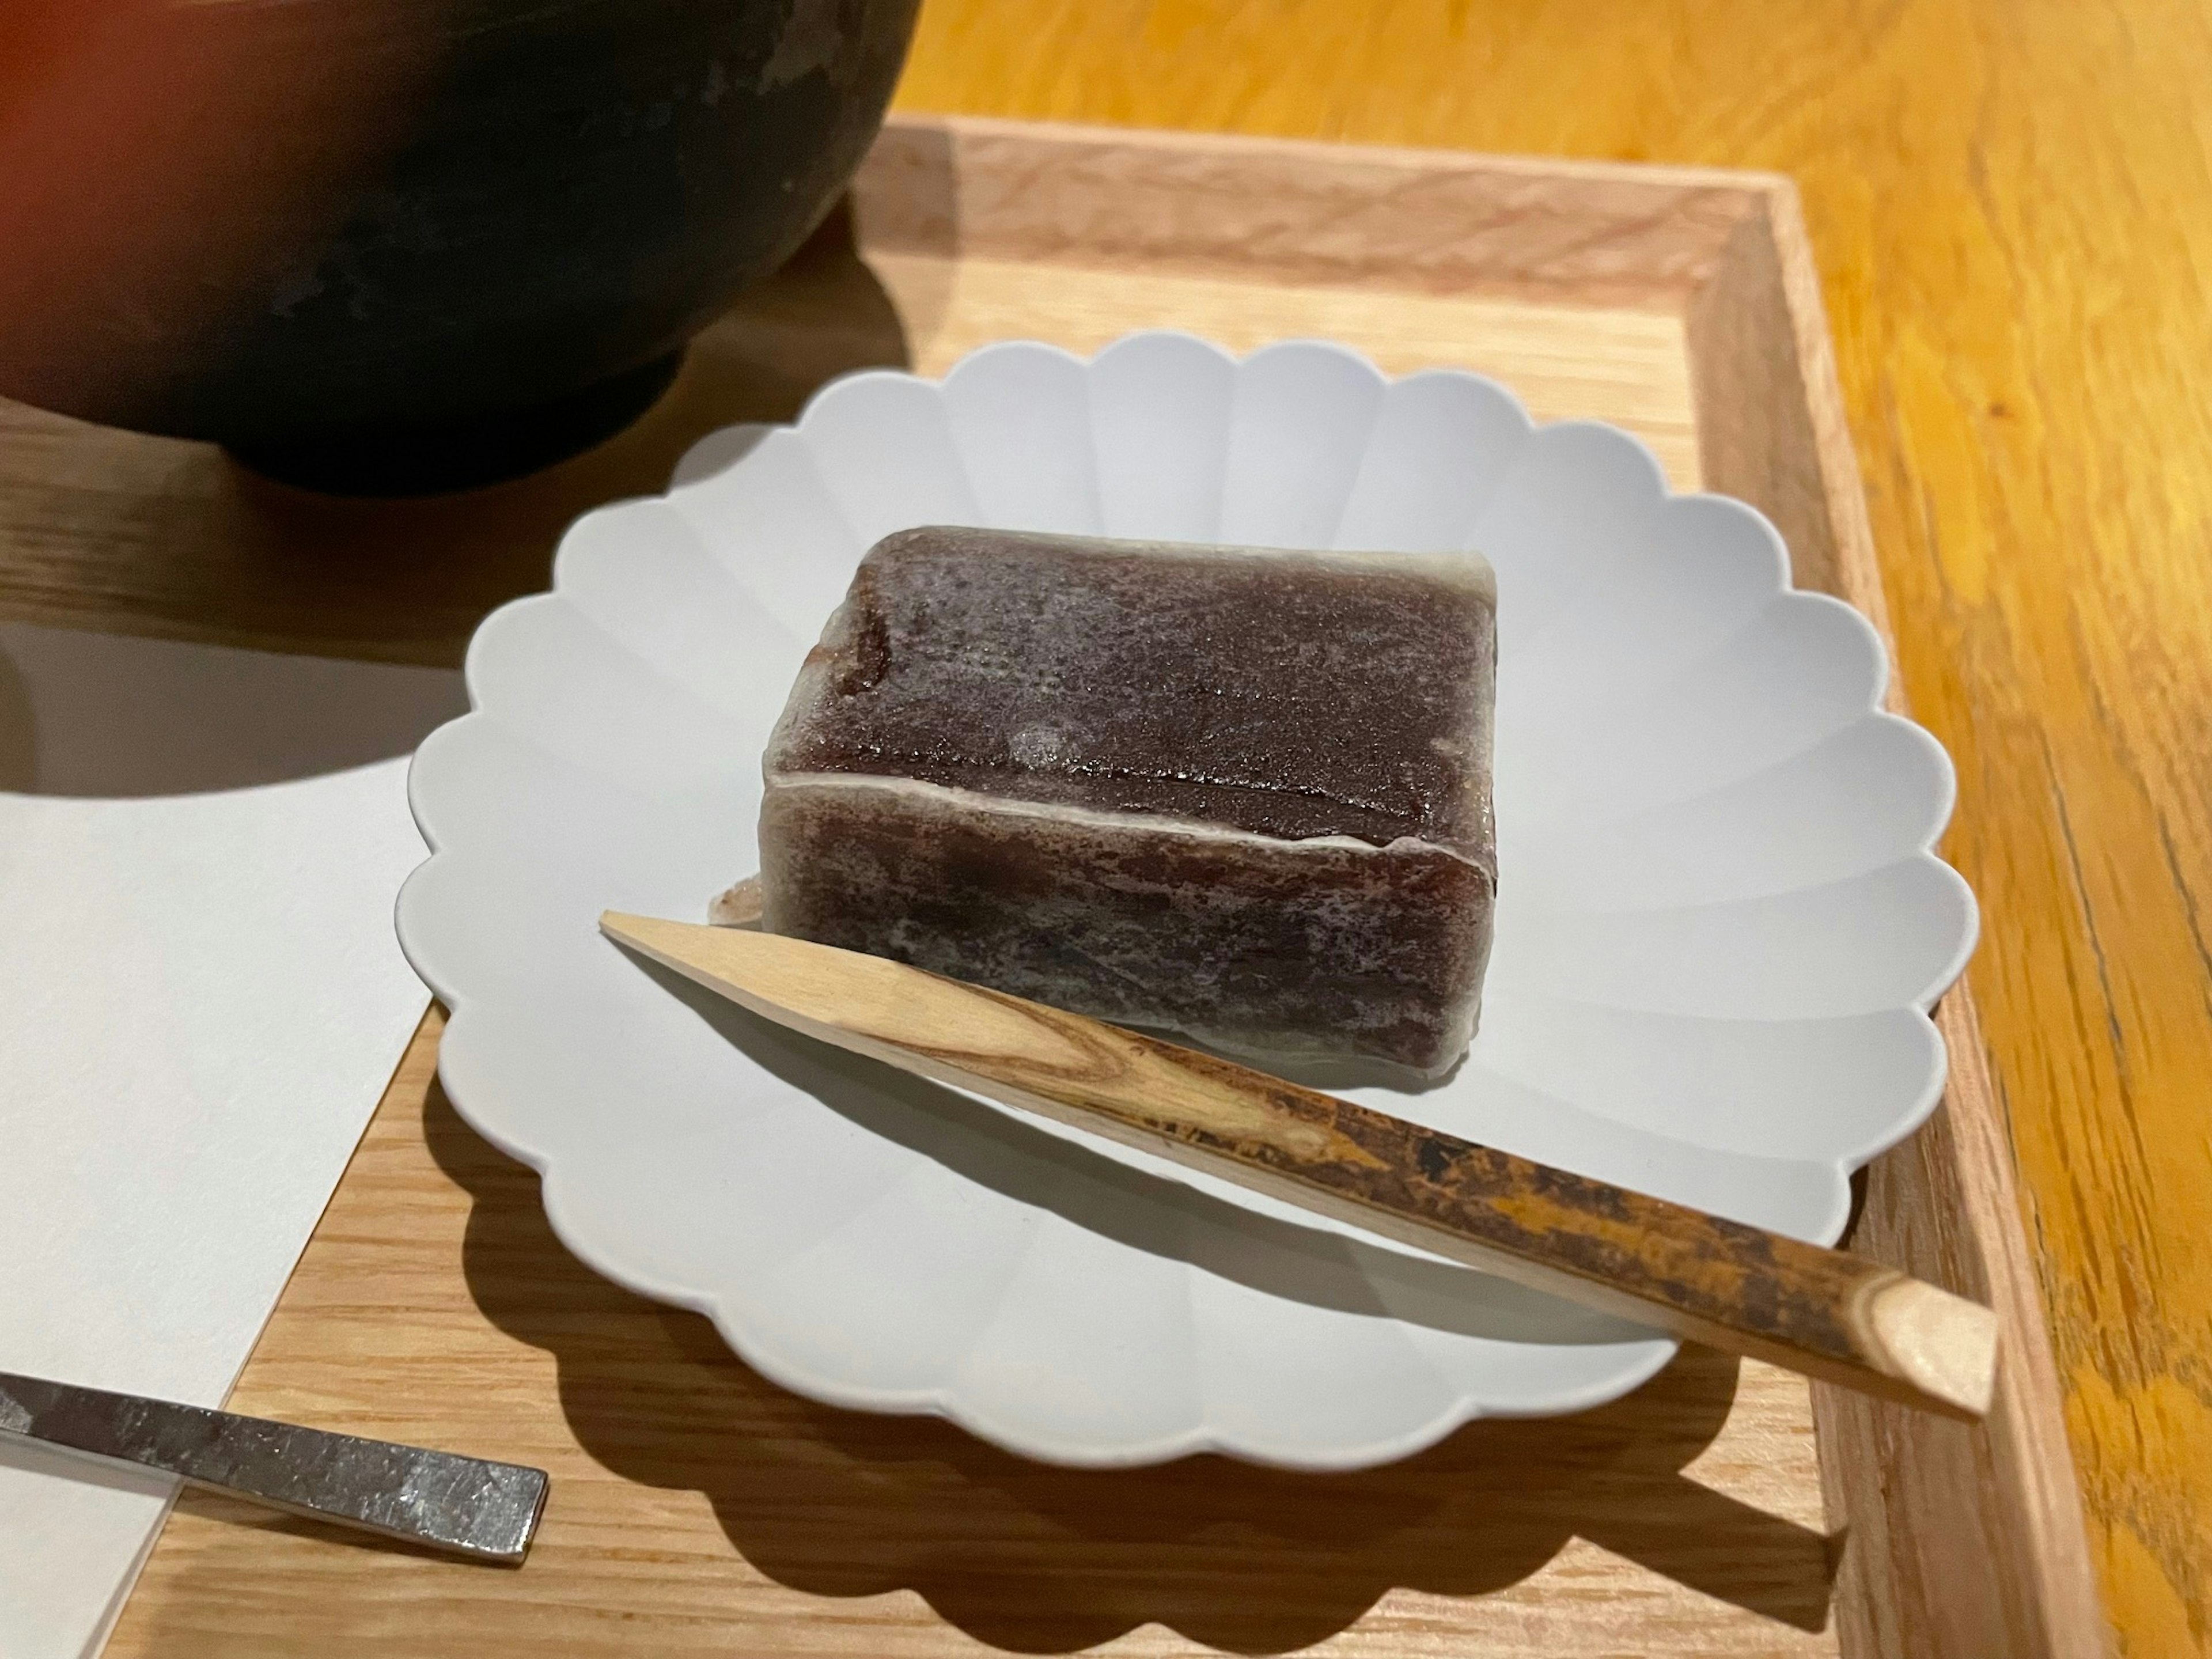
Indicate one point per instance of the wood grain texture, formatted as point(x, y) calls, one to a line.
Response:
point(2011, 201)
point(1319, 216)
point(125, 532)
point(1562, 360)
point(698, 1509)
point(1960, 1542)
point(1745, 1291)
point(1901, 1587)
point(1770, 419)
point(1565, 354)
point(117, 530)
point(1564, 351)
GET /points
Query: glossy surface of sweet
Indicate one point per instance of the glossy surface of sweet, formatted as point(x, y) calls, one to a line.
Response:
point(1289, 694)
point(1243, 793)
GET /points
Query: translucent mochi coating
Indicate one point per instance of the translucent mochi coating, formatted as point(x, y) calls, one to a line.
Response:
point(1243, 793)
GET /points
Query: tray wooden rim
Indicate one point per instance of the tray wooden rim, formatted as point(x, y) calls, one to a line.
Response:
point(1924, 1501)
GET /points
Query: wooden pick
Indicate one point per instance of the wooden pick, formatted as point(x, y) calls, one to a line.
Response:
point(1825, 1313)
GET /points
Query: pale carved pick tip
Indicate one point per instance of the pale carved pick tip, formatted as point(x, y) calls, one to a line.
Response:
point(675, 942)
point(1943, 1345)
point(621, 925)
point(814, 987)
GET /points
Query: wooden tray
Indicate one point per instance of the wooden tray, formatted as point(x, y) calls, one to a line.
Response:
point(696, 1509)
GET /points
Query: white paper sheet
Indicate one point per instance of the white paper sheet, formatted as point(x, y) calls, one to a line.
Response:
point(200, 1002)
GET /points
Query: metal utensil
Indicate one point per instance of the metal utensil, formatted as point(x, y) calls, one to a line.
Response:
point(487, 1512)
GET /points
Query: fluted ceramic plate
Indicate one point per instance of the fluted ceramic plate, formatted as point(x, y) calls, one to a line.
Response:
point(1720, 923)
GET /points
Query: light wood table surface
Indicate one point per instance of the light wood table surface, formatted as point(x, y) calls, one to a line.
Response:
point(2011, 201)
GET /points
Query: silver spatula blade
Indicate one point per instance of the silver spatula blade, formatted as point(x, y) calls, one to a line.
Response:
point(466, 1505)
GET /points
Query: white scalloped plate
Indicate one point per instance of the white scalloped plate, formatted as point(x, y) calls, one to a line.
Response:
point(1720, 922)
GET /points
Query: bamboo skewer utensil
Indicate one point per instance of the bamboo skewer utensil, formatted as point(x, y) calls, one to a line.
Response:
point(1825, 1313)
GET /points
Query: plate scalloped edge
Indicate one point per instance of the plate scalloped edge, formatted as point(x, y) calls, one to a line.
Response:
point(1654, 924)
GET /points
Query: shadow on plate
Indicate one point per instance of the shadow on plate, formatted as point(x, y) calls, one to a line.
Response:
point(1033, 1559)
point(1116, 1193)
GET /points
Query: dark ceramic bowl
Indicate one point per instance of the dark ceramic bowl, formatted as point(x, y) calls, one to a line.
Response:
point(391, 246)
